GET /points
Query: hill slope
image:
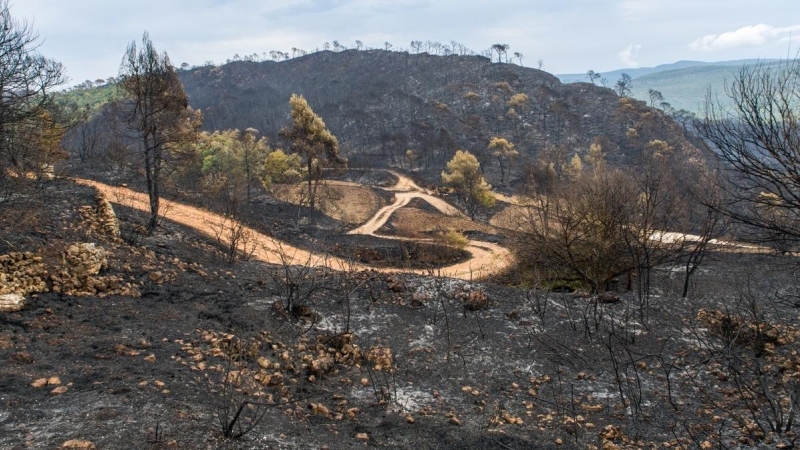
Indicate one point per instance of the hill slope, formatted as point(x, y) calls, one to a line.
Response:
point(687, 88)
point(381, 104)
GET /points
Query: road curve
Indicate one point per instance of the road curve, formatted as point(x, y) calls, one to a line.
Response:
point(401, 199)
point(487, 259)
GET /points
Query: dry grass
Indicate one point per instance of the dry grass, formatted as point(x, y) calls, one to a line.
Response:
point(416, 223)
point(509, 218)
point(353, 205)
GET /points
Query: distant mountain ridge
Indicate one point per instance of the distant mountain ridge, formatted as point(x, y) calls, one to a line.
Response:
point(636, 72)
point(683, 84)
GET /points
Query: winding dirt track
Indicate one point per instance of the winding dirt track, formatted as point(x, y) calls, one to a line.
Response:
point(487, 258)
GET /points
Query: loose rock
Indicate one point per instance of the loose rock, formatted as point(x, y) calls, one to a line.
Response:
point(11, 302)
point(79, 444)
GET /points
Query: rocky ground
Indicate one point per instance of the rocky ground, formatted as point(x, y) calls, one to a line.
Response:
point(158, 345)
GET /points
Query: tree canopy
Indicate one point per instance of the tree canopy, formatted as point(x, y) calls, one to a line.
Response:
point(310, 138)
point(463, 174)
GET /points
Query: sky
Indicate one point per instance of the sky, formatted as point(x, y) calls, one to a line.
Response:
point(569, 36)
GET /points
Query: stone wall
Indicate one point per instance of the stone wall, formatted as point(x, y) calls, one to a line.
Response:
point(101, 218)
point(22, 273)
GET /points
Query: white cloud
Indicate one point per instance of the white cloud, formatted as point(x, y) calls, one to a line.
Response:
point(747, 36)
point(628, 54)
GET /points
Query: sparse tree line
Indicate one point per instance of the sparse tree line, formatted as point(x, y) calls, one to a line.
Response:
point(500, 51)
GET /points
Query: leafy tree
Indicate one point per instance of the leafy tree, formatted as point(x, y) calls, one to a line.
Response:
point(453, 238)
point(501, 50)
point(574, 168)
point(595, 155)
point(219, 154)
point(503, 150)
point(155, 110)
point(519, 101)
point(463, 174)
point(411, 157)
point(472, 99)
point(280, 167)
point(236, 159)
point(253, 153)
point(311, 139)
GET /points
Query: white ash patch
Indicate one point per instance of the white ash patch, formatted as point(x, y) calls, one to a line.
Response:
point(373, 323)
point(425, 339)
point(265, 304)
point(331, 323)
point(692, 336)
point(410, 399)
point(605, 395)
point(432, 288)
point(405, 399)
point(363, 325)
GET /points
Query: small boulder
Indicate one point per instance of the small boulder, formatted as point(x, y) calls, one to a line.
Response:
point(59, 390)
point(322, 365)
point(476, 301)
point(11, 302)
point(78, 444)
point(85, 259)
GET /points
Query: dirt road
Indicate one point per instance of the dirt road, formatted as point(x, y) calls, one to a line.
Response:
point(402, 199)
point(487, 258)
